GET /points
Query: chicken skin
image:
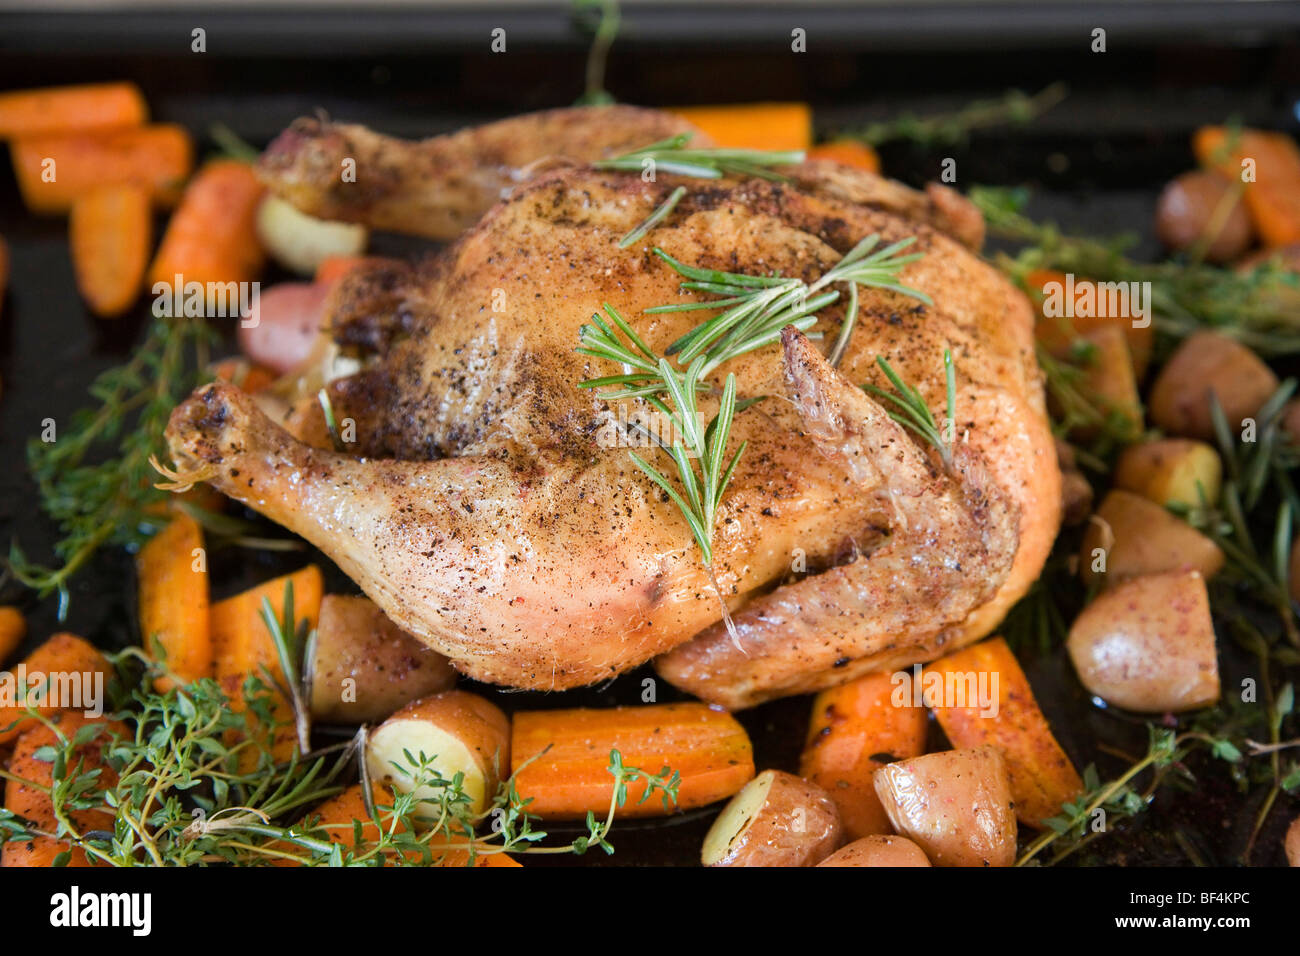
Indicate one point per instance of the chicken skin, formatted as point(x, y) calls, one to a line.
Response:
point(490, 506)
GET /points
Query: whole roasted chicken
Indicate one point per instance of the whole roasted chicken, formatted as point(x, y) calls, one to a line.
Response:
point(483, 505)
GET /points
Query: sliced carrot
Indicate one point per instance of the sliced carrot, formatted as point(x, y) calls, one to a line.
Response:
point(31, 800)
point(1273, 199)
point(849, 152)
point(13, 628)
point(212, 236)
point(707, 747)
point(856, 729)
point(111, 233)
point(174, 621)
point(1042, 777)
point(69, 109)
point(54, 171)
point(242, 645)
point(64, 665)
point(754, 125)
point(1059, 334)
point(333, 268)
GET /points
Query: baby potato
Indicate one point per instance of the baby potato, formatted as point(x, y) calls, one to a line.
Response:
point(1171, 471)
point(878, 850)
point(955, 805)
point(388, 668)
point(1186, 208)
point(457, 732)
point(1205, 363)
point(1147, 645)
point(1292, 843)
point(777, 819)
point(1131, 536)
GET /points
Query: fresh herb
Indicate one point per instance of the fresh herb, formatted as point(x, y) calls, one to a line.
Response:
point(601, 18)
point(671, 156)
point(659, 215)
point(1013, 108)
point(907, 407)
point(95, 479)
point(290, 637)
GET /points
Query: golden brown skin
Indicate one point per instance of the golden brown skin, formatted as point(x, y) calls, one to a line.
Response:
point(440, 186)
point(481, 507)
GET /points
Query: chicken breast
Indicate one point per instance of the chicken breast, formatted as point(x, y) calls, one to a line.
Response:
point(489, 505)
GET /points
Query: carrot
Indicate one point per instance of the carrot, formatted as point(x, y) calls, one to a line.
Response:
point(1042, 777)
point(1273, 199)
point(1058, 334)
point(33, 804)
point(212, 236)
point(13, 628)
point(59, 666)
point(54, 171)
point(857, 728)
point(849, 152)
point(174, 623)
point(70, 109)
point(111, 235)
point(242, 645)
point(754, 125)
point(707, 747)
point(333, 268)
point(249, 376)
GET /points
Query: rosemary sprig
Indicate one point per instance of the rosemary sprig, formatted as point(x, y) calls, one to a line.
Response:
point(290, 636)
point(603, 27)
point(109, 502)
point(671, 156)
point(661, 213)
point(906, 406)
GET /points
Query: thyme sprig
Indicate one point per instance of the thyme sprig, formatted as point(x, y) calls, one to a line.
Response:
point(906, 406)
point(1014, 108)
point(94, 479)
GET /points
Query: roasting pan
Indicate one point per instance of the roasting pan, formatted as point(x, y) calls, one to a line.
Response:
point(1095, 163)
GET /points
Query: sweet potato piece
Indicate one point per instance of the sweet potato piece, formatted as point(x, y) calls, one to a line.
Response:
point(1042, 777)
point(174, 613)
point(855, 730)
point(1148, 644)
point(1135, 536)
point(388, 668)
point(66, 655)
point(707, 747)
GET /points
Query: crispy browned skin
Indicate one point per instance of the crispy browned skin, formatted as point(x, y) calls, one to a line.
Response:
point(484, 512)
point(439, 187)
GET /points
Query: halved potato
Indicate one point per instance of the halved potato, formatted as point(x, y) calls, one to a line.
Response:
point(1130, 536)
point(878, 850)
point(362, 667)
point(1148, 644)
point(1209, 362)
point(777, 819)
point(300, 242)
point(1171, 471)
point(457, 732)
point(956, 805)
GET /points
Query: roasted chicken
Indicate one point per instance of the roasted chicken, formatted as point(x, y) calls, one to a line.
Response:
point(489, 505)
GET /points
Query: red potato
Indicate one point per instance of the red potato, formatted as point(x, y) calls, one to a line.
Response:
point(956, 805)
point(1208, 363)
point(878, 850)
point(1130, 536)
point(1147, 645)
point(1292, 843)
point(1196, 207)
point(777, 819)
point(283, 327)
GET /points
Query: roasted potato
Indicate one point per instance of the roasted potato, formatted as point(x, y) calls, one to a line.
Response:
point(457, 732)
point(1131, 536)
point(284, 326)
point(1109, 377)
point(387, 668)
point(1292, 843)
point(956, 805)
point(300, 242)
point(1147, 645)
point(1206, 363)
point(1188, 208)
point(1171, 471)
point(878, 850)
point(777, 819)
